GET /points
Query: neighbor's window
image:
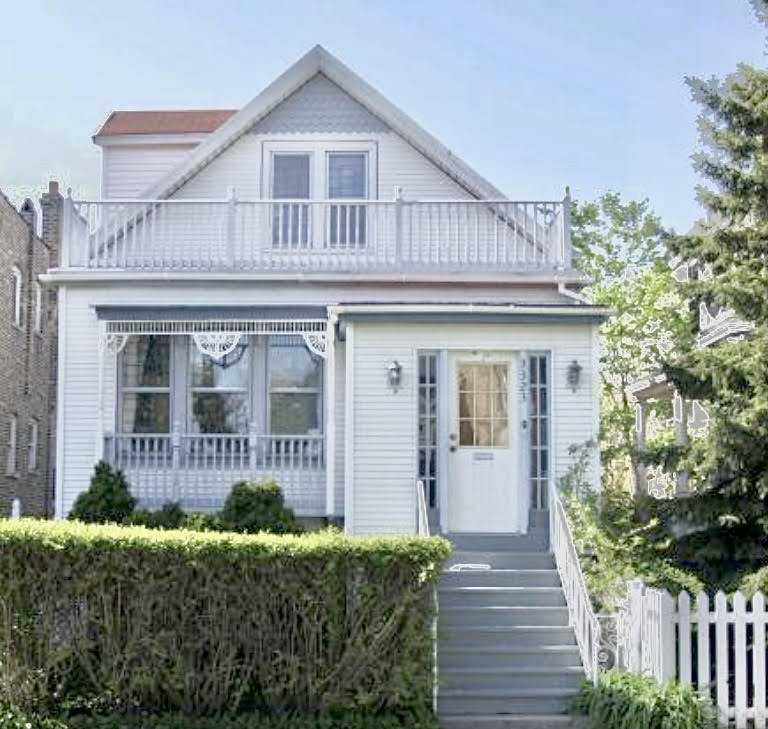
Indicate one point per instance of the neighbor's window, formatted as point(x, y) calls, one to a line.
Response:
point(38, 308)
point(145, 382)
point(10, 463)
point(32, 435)
point(347, 177)
point(219, 390)
point(290, 181)
point(295, 382)
point(17, 310)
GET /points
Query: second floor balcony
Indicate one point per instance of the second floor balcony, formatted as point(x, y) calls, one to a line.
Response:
point(306, 236)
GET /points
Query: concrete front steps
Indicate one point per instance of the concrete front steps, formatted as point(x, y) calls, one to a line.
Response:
point(507, 657)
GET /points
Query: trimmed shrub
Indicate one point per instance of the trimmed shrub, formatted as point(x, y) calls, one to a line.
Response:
point(169, 516)
point(107, 499)
point(204, 623)
point(255, 506)
point(630, 701)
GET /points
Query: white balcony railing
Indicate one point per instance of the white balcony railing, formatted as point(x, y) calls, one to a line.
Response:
point(316, 235)
point(198, 470)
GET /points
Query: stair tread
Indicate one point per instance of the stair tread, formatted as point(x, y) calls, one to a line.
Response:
point(510, 693)
point(459, 608)
point(512, 650)
point(565, 719)
point(500, 588)
point(502, 570)
point(515, 670)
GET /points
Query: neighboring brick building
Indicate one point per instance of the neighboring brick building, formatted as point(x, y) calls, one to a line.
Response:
point(27, 354)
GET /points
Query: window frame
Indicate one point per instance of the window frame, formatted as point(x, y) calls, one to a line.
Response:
point(190, 389)
point(122, 388)
point(18, 296)
point(284, 390)
point(38, 324)
point(33, 434)
point(13, 435)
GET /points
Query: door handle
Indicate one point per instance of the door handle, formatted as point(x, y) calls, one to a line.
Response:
point(452, 449)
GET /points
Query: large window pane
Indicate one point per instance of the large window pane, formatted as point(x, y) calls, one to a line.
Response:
point(146, 362)
point(346, 175)
point(295, 377)
point(290, 176)
point(219, 412)
point(290, 180)
point(145, 412)
point(220, 390)
point(232, 371)
point(347, 179)
point(293, 413)
point(291, 364)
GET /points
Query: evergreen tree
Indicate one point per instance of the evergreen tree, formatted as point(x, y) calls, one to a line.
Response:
point(721, 529)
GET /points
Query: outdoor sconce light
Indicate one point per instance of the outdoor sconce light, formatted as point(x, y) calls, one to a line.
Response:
point(394, 374)
point(574, 375)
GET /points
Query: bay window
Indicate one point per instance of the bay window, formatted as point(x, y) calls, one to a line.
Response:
point(270, 385)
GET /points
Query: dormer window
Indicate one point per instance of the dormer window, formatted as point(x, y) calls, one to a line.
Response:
point(318, 171)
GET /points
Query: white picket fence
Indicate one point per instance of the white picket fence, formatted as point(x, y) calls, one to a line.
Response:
point(720, 651)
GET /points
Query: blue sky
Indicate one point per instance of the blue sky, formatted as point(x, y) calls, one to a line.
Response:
point(535, 94)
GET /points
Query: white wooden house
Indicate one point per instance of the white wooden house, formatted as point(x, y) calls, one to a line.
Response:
point(314, 288)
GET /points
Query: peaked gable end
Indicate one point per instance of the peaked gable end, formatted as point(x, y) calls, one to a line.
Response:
point(319, 106)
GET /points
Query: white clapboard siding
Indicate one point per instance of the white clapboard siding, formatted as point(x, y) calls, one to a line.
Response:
point(733, 675)
point(128, 170)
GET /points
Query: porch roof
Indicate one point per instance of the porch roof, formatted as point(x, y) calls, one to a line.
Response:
point(209, 319)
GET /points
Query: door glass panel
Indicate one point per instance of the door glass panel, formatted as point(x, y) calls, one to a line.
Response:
point(483, 405)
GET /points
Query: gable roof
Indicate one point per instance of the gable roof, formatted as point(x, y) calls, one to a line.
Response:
point(320, 61)
point(164, 122)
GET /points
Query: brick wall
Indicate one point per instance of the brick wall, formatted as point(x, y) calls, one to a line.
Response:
point(27, 373)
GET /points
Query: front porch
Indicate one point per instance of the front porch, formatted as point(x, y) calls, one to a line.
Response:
point(195, 400)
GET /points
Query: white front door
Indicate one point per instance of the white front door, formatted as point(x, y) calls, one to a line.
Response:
point(483, 467)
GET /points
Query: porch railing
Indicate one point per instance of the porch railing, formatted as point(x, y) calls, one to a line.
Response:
point(581, 614)
point(197, 470)
point(316, 235)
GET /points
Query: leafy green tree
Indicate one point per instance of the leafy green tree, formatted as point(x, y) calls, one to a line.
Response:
point(621, 246)
point(721, 529)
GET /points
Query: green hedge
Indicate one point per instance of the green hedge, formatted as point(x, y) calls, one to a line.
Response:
point(203, 622)
point(630, 701)
point(11, 718)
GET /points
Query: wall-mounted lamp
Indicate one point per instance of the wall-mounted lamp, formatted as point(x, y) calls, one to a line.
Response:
point(574, 375)
point(394, 374)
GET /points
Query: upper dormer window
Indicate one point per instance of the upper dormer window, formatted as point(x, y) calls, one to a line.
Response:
point(317, 171)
